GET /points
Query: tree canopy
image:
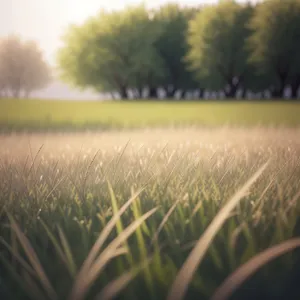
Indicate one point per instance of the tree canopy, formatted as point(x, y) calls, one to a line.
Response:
point(112, 51)
point(228, 47)
point(275, 42)
point(22, 67)
point(217, 53)
point(172, 47)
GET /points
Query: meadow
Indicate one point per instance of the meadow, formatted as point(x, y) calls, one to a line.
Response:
point(20, 114)
point(186, 213)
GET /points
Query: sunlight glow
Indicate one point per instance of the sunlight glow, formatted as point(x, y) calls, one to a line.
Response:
point(46, 20)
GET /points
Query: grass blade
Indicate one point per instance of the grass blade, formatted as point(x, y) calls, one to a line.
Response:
point(185, 274)
point(113, 288)
point(119, 158)
point(163, 222)
point(24, 264)
point(103, 236)
point(88, 276)
point(31, 285)
point(68, 253)
point(234, 280)
point(34, 158)
point(33, 258)
point(19, 280)
point(56, 245)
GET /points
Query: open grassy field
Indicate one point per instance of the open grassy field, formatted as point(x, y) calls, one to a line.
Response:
point(150, 214)
point(69, 114)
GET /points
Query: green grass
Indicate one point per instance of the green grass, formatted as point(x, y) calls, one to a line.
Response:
point(128, 219)
point(42, 114)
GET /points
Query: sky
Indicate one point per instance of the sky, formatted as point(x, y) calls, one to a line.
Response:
point(45, 21)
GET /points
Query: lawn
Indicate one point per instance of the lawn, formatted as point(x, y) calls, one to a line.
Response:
point(150, 214)
point(41, 114)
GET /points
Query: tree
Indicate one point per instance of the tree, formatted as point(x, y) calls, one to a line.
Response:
point(217, 54)
point(22, 68)
point(172, 47)
point(112, 51)
point(275, 43)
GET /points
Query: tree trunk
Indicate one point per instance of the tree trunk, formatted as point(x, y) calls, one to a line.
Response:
point(152, 92)
point(278, 93)
point(140, 92)
point(231, 92)
point(201, 93)
point(244, 93)
point(170, 92)
point(295, 87)
point(123, 92)
point(183, 94)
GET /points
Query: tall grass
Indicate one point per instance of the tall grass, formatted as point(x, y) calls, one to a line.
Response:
point(183, 220)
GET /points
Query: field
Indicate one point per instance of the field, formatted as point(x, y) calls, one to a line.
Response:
point(180, 200)
point(36, 114)
point(150, 213)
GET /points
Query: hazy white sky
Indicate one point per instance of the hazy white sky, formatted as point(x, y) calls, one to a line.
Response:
point(45, 20)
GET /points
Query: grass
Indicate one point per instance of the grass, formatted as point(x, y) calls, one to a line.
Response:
point(37, 114)
point(104, 215)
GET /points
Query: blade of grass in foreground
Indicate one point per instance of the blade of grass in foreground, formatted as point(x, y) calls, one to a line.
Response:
point(234, 280)
point(185, 274)
point(20, 279)
point(90, 274)
point(113, 288)
point(114, 204)
point(59, 250)
point(22, 262)
point(67, 251)
point(165, 219)
point(141, 244)
point(103, 236)
point(33, 258)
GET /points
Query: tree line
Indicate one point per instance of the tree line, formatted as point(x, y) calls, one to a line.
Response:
point(228, 47)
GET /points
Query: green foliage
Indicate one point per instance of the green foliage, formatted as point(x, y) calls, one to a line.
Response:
point(275, 41)
point(130, 49)
point(226, 46)
point(112, 51)
point(216, 37)
point(172, 47)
